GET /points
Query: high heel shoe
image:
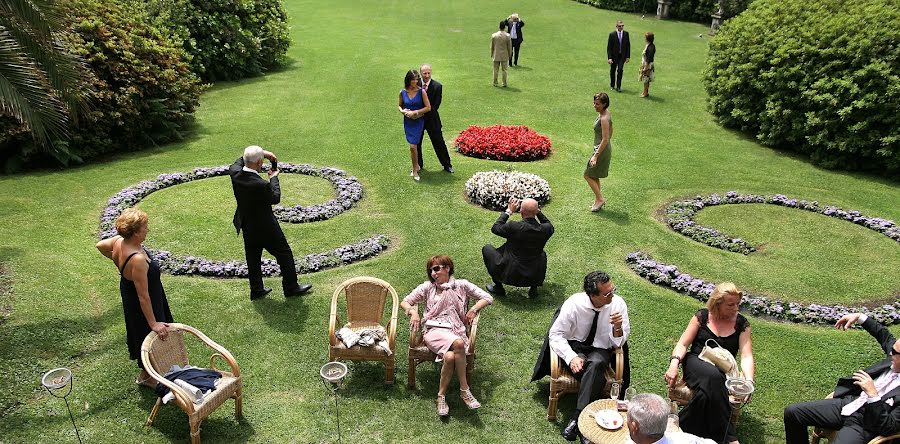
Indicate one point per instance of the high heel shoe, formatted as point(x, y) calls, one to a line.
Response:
point(415, 175)
point(470, 400)
point(596, 208)
point(442, 407)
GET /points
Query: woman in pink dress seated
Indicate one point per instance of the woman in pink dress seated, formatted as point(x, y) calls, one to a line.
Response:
point(445, 322)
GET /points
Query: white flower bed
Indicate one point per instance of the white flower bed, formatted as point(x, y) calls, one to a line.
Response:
point(492, 189)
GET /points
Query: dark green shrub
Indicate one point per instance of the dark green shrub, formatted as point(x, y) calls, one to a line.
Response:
point(821, 78)
point(143, 91)
point(229, 39)
point(691, 10)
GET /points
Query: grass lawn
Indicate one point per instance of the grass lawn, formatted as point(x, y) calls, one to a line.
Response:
point(335, 105)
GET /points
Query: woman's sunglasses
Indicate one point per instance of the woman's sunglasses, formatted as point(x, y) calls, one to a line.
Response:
point(436, 268)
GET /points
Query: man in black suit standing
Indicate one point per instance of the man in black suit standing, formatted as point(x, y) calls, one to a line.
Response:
point(865, 404)
point(255, 198)
point(433, 126)
point(618, 53)
point(521, 261)
point(514, 27)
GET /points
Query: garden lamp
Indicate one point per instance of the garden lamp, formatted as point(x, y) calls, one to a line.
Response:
point(332, 375)
point(54, 381)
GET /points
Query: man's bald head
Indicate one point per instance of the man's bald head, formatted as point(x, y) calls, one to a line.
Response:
point(529, 208)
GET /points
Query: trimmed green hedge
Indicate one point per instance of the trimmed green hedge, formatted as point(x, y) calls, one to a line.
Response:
point(692, 10)
point(821, 78)
point(229, 39)
point(143, 91)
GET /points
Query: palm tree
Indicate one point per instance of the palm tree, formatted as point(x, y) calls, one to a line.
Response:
point(39, 80)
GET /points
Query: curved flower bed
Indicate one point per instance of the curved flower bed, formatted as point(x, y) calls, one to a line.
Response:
point(668, 276)
point(679, 216)
point(501, 142)
point(348, 191)
point(493, 189)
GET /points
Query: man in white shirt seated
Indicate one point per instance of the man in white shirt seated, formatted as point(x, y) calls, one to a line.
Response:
point(589, 326)
point(648, 415)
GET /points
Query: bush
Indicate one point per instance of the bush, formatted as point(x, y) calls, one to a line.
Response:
point(143, 91)
point(229, 39)
point(501, 142)
point(821, 78)
point(493, 189)
point(692, 10)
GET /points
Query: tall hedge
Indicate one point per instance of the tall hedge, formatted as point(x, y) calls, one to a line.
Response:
point(691, 10)
point(818, 77)
point(229, 39)
point(143, 92)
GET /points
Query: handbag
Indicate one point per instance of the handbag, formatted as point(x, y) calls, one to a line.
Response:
point(721, 358)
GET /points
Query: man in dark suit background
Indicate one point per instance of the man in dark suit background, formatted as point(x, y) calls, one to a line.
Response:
point(514, 27)
point(433, 125)
point(865, 404)
point(521, 261)
point(255, 198)
point(618, 53)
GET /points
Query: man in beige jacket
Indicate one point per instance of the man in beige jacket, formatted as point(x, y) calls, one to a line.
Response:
point(501, 48)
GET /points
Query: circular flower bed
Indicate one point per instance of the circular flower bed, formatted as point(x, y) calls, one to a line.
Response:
point(493, 189)
point(348, 191)
point(679, 216)
point(501, 142)
point(668, 276)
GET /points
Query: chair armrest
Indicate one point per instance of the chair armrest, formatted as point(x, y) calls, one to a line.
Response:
point(220, 351)
point(392, 325)
point(332, 318)
point(556, 367)
point(181, 396)
point(620, 364)
point(473, 332)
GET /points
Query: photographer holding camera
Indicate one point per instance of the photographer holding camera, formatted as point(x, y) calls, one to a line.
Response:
point(521, 261)
point(255, 197)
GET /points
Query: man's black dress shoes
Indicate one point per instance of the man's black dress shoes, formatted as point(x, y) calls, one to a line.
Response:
point(532, 292)
point(259, 295)
point(571, 430)
point(495, 289)
point(303, 288)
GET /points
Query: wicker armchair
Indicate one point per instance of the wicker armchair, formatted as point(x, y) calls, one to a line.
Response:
point(159, 356)
point(562, 381)
point(419, 353)
point(829, 435)
point(681, 394)
point(365, 297)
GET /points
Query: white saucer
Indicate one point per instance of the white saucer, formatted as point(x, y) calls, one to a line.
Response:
point(609, 419)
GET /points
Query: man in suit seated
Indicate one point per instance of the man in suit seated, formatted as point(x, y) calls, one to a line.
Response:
point(521, 261)
point(648, 417)
point(255, 198)
point(865, 404)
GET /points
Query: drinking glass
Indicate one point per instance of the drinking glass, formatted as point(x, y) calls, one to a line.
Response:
point(614, 390)
point(630, 392)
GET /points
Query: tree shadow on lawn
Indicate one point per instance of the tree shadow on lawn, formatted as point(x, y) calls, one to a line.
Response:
point(281, 313)
point(289, 65)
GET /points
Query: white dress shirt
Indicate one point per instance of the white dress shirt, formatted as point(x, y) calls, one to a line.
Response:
point(574, 323)
point(683, 438)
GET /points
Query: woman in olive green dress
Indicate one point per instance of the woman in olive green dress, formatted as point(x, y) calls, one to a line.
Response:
point(598, 165)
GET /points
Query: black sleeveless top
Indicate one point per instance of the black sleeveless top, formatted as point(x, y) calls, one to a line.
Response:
point(136, 326)
point(730, 342)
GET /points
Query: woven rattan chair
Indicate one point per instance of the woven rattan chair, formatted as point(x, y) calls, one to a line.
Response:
point(681, 394)
point(419, 353)
point(365, 297)
point(159, 356)
point(829, 435)
point(562, 381)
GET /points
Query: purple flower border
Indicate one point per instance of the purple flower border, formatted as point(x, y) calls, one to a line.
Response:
point(348, 191)
point(680, 214)
point(668, 276)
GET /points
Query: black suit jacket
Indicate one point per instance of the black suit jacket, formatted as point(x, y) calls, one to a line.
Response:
point(882, 417)
point(255, 198)
point(618, 53)
point(435, 93)
point(519, 25)
point(523, 261)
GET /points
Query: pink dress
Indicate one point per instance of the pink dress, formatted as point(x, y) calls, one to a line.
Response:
point(449, 303)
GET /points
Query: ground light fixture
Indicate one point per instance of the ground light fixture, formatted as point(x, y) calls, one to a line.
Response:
point(55, 381)
point(333, 374)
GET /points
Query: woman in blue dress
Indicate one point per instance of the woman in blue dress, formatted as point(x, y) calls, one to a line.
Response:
point(413, 104)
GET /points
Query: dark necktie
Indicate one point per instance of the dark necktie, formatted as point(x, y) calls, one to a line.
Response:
point(593, 332)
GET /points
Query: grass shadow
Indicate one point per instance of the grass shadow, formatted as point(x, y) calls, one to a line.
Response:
point(614, 216)
point(221, 426)
point(283, 315)
point(550, 295)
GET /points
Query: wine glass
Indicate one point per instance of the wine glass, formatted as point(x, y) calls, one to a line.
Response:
point(630, 393)
point(614, 390)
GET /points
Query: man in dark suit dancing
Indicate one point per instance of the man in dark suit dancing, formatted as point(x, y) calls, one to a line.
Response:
point(255, 198)
point(865, 404)
point(514, 27)
point(433, 126)
point(618, 53)
point(521, 261)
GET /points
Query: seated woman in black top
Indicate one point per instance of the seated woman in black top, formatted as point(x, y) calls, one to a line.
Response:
point(707, 414)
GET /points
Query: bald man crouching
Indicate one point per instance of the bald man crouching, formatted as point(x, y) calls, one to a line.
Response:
point(521, 261)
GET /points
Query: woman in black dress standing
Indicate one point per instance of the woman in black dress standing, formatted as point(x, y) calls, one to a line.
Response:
point(708, 413)
point(143, 298)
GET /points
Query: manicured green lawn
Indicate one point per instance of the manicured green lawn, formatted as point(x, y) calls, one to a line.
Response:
point(335, 105)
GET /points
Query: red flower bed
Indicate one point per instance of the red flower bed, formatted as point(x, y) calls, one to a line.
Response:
point(501, 142)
